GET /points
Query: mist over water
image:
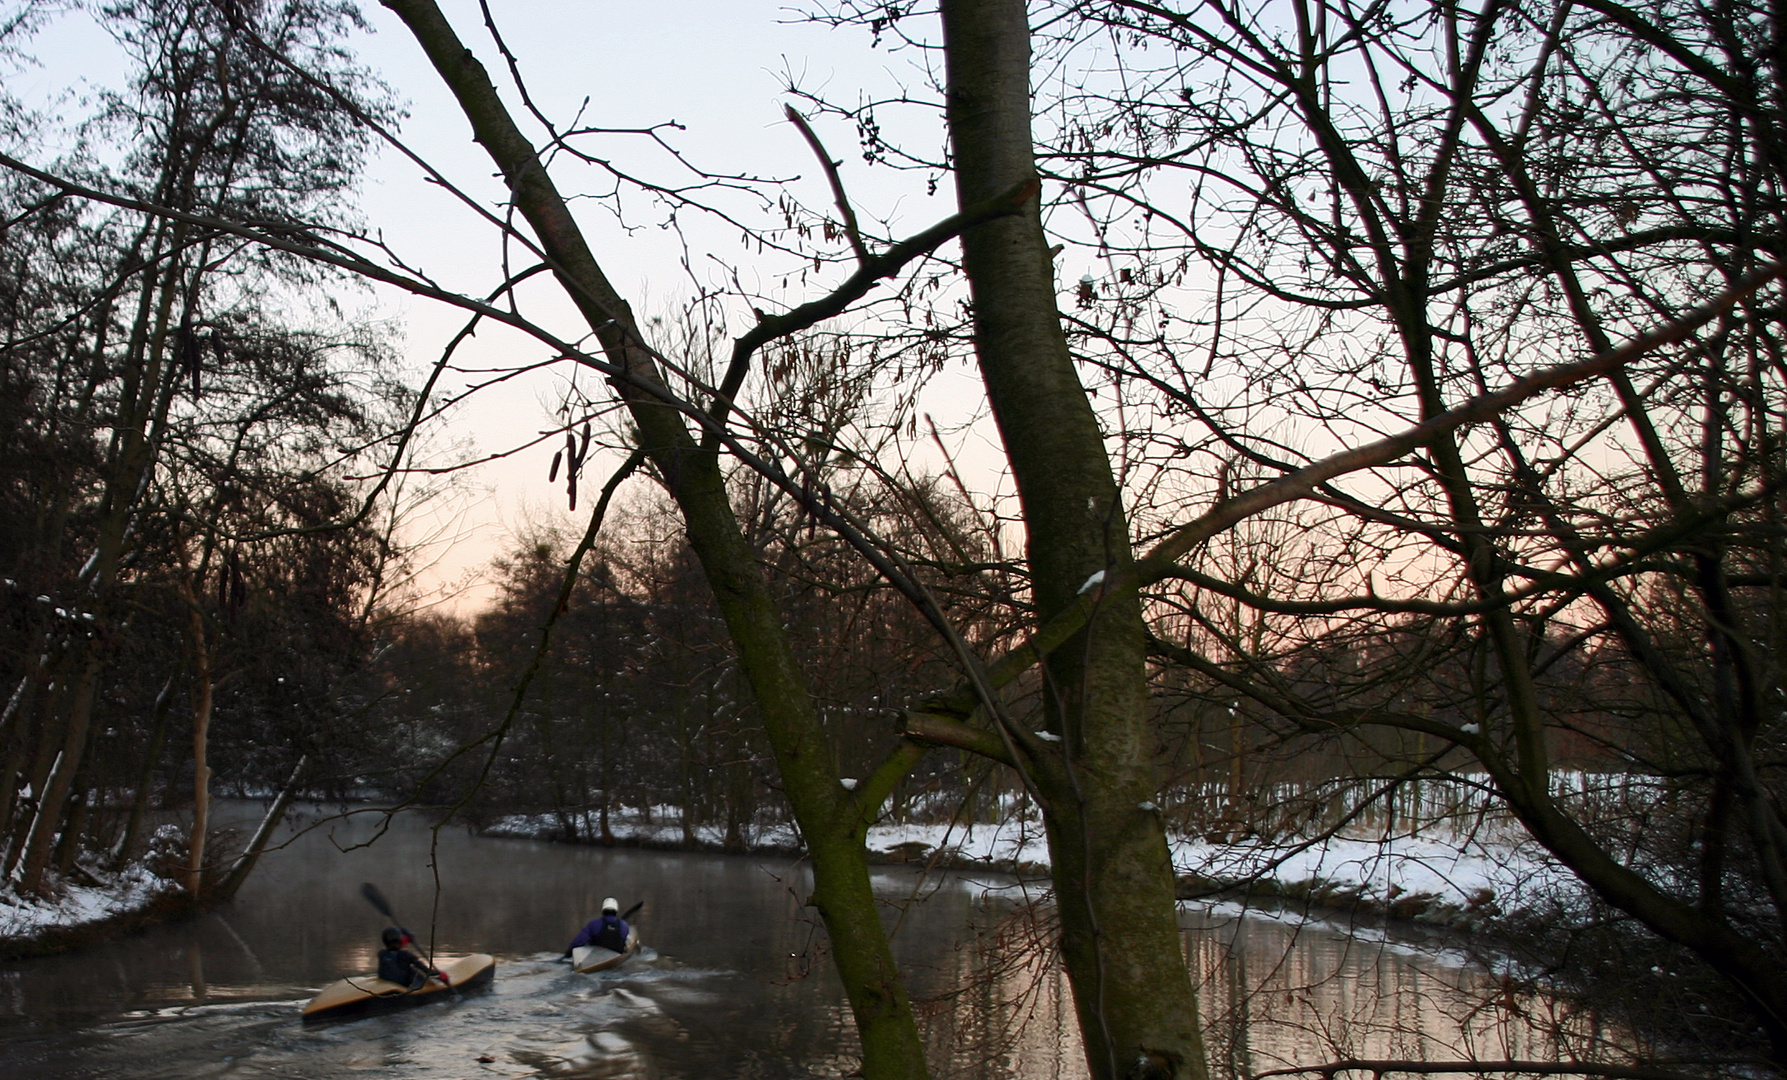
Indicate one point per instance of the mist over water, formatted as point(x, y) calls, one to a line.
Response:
point(733, 982)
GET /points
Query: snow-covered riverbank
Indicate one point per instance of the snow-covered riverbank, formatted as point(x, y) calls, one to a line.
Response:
point(70, 905)
point(1453, 880)
point(92, 903)
point(1457, 880)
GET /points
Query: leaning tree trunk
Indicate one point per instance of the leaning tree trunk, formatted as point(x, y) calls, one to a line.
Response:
point(1113, 876)
point(231, 883)
point(824, 810)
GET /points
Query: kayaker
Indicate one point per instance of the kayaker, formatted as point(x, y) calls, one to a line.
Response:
point(608, 931)
point(397, 964)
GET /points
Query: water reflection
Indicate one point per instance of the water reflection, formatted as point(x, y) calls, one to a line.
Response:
point(1280, 992)
point(734, 982)
point(1276, 990)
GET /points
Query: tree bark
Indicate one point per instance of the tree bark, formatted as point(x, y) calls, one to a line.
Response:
point(15, 737)
point(40, 843)
point(1113, 875)
point(201, 738)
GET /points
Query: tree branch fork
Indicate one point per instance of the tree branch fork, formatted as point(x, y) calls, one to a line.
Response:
point(947, 720)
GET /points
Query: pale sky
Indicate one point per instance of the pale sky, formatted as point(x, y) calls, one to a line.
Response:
point(718, 67)
point(715, 66)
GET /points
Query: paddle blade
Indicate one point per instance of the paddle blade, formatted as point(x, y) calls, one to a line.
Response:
point(377, 900)
point(632, 911)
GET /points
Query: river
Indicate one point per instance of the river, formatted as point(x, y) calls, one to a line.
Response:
point(733, 981)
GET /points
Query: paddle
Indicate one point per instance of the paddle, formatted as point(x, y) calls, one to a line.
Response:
point(627, 915)
point(377, 900)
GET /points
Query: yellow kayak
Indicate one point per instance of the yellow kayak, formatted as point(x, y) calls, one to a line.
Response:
point(369, 994)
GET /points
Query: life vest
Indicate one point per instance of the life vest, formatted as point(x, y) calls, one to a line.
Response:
point(401, 967)
point(613, 934)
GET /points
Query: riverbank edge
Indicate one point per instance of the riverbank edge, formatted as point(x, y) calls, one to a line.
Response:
point(1315, 899)
point(171, 905)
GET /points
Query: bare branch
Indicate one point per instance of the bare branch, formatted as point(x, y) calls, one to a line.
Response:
point(837, 182)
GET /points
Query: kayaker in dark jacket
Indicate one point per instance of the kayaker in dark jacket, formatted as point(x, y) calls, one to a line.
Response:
point(608, 931)
point(397, 964)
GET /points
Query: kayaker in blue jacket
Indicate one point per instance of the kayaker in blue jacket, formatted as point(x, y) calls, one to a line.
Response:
point(397, 964)
point(608, 931)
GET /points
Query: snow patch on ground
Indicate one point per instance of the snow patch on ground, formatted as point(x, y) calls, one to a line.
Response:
point(1409, 875)
point(630, 827)
point(70, 903)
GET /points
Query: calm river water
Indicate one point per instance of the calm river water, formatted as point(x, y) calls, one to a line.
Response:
point(734, 982)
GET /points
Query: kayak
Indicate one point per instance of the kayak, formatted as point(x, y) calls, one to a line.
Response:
point(366, 994)
point(588, 958)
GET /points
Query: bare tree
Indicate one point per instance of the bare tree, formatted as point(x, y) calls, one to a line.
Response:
point(147, 339)
point(1369, 271)
point(1392, 210)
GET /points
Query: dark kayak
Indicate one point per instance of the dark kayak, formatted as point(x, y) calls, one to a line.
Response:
point(368, 994)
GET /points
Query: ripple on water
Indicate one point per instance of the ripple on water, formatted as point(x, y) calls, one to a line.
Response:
point(536, 1017)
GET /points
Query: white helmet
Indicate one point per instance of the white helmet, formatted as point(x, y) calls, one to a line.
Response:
point(611, 906)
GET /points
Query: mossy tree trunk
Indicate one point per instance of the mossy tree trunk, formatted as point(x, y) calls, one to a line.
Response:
point(1095, 775)
point(830, 817)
